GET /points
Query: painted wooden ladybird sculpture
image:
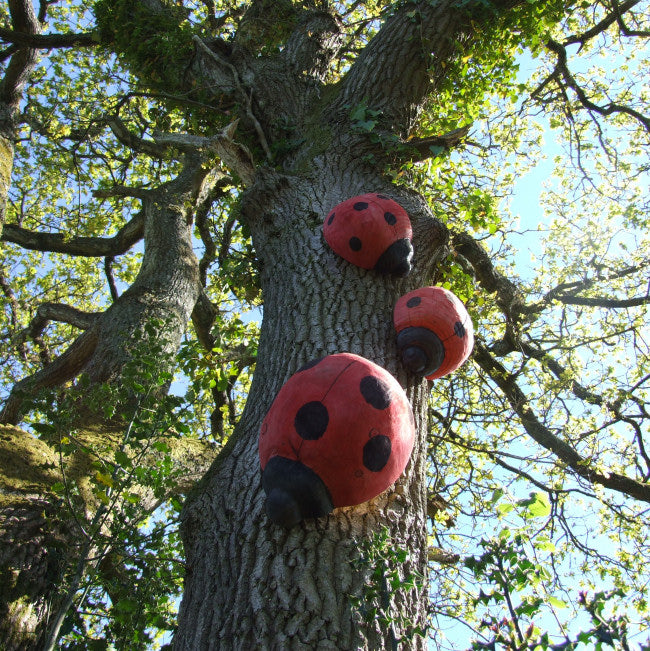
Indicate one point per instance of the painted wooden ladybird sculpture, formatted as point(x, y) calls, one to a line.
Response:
point(339, 432)
point(434, 331)
point(373, 232)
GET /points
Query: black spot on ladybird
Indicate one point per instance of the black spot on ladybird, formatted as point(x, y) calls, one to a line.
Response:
point(360, 205)
point(459, 330)
point(311, 420)
point(391, 220)
point(413, 302)
point(375, 392)
point(376, 452)
point(355, 243)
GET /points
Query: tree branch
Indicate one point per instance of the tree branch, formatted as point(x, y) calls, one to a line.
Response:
point(605, 23)
point(22, 61)
point(602, 301)
point(203, 317)
point(508, 296)
point(427, 36)
point(130, 140)
point(562, 69)
point(234, 155)
point(622, 26)
point(47, 312)
point(544, 437)
point(119, 244)
point(561, 293)
point(244, 96)
point(60, 370)
point(108, 271)
point(427, 147)
point(48, 41)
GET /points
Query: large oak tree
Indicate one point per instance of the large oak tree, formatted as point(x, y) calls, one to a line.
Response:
point(173, 162)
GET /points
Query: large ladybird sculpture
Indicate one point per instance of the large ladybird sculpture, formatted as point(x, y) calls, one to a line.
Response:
point(434, 331)
point(339, 432)
point(373, 232)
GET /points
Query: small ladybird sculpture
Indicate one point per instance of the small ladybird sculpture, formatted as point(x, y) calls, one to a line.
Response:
point(339, 432)
point(373, 232)
point(434, 331)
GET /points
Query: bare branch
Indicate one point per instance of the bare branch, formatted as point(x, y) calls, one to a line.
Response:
point(561, 67)
point(108, 271)
point(47, 312)
point(602, 25)
point(63, 368)
point(544, 437)
point(622, 26)
point(508, 295)
point(428, 147)
point(567, 292)
point(234, 155)
point(246, 97)
point(134, 142)
point(602, 301)
point(204, 230)
point(203, 318)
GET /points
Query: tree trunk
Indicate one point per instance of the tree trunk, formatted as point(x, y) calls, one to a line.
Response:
point(35, 543)
point(17, 73)
point(252, 584)
point(162, 295)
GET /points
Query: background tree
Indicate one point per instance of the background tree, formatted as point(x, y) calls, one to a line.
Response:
point(172, 163)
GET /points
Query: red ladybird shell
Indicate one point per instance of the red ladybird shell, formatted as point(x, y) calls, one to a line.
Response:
point(371, 231)
point(346, 419)
point(440, 311)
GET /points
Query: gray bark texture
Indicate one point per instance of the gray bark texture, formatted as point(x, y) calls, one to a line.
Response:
point(250, 583)
point(21, 64)
point(34, 538)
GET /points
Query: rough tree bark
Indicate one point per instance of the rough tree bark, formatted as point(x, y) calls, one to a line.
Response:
point(33, 532)
point(17, 73)
point(251, 584)
point(33, 538)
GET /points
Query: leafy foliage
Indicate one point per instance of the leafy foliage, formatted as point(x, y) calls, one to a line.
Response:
point(542, 544)
point(123, 578)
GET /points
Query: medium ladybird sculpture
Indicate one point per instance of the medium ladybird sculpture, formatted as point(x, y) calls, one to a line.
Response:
point(434, 331)
point(339, 432)
point(373, 232)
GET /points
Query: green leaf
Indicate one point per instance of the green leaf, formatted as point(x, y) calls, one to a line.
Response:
point(504, 508)
point(539, 507)
point(127, 605)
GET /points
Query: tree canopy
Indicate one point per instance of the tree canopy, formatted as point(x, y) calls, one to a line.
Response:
point(151, 153)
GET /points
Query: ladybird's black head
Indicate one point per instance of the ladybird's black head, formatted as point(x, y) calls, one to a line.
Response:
point(294, 492)
point(421, 350)
point(396, 259)
point(282, 508)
